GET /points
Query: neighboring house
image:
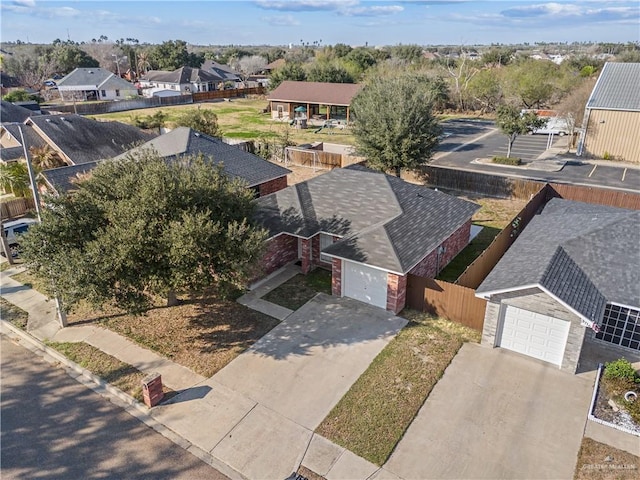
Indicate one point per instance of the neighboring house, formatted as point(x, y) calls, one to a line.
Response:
point(94, 84)
point(225, 72)
point(260, 175)
point(10, 112)
point(320, 100)
point(572, 277)
point(80, 139)
point(185, 80)
point(62, 179)
point(612, 115)
point(11, 148)
point(369, 228)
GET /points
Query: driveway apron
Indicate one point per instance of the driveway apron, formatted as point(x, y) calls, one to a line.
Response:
point(258, 413)
point(495, 414)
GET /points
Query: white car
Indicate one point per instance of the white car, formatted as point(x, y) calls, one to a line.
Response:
point(12, 232)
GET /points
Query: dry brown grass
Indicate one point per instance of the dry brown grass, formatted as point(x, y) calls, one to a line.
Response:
point(597, 461)
point(201, 334)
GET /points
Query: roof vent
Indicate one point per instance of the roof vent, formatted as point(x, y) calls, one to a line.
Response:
point(48, 120)
point(62, 118)
point(90, 71)
point(197, 134)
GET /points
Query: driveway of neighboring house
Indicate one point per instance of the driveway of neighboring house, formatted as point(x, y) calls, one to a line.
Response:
point(495, 414)
point(258, 413)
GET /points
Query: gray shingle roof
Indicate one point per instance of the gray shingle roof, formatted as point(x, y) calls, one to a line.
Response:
point(315, 92)
point(384, 221)
point(183, 75)
point(617, 88)
point(62, 179)
point(13, 113)
point(236, 162)
point(31, 138)
point(84, 140)
point(94, 77)
point(586, 255)
point(223, 71)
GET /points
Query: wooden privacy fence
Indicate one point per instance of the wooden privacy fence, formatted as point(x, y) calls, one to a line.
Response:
point(16, 207)
point(312, 158)
point(600, 196)
point(448, 300)
point(231, 93)
point(475, 273)
point(96, 108)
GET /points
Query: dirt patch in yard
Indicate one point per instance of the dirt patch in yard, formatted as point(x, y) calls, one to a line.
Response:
point(12, 314)
point(597, 461)
point(201, 334)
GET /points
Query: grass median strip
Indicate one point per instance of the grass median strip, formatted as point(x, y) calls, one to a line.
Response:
point(300, 289)
point(119, 374)
point(12, 314)
point(374, 414)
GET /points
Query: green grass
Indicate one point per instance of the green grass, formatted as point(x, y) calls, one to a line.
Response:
point(479, 244)
point(12, 314)
point(300, 289)
point(31, 281)
point(374, 414)
point(119, 374)
point(507, 161)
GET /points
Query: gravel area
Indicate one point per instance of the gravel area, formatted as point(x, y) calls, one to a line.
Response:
point(603, 411)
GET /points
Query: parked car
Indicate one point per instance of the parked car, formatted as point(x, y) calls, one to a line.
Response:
point(12, 232)
point(50, 83)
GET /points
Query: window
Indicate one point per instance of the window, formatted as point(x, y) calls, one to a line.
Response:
point(620, 326)
point(103, 93)
point(117, 93)
point(325, 241)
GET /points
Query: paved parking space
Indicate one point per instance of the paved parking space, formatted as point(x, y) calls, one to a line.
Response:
point(496, 414)
point(526, 147)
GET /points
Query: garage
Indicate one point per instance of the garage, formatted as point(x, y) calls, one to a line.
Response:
point(364, 283)
point(533, 334)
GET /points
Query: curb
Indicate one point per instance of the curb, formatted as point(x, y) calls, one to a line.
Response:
point(114, 395)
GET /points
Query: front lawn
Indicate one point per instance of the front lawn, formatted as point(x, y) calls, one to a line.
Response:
point(297, 291)
point(374, 414)
point(201, 334)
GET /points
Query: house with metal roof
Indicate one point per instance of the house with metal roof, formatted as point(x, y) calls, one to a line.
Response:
point(95, 84)
point(570, 280)
point(370, 229)
point(612, 115)
point(314, 100)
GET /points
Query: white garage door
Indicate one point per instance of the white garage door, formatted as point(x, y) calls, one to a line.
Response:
point(534, 334)
point(364, 283)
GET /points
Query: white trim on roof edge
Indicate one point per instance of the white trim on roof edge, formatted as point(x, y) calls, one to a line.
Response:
point(486, 295)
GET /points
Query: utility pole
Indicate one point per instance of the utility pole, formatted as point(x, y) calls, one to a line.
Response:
point(117, 64)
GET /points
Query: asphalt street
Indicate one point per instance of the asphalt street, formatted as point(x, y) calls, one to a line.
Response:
point(55, 428)
point(467, 140)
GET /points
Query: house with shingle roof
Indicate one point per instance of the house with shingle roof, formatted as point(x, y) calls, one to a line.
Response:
point(612, 115)
point(184, 80)
point(571, 278)
point(262, 176)
point(11, 141)
point(370, 229)
point(94, 84)
point(320, 100)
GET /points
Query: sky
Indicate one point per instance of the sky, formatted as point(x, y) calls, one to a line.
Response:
point(327, 22)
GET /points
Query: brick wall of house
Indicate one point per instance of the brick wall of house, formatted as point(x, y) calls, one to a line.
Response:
point(272, 186)
point(281, 250)
point(396, 292)
point(431, 265)
point(336, 277)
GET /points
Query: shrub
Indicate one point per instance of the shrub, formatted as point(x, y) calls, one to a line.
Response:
point(607, 156)
point(621, 369)
point(507, 160)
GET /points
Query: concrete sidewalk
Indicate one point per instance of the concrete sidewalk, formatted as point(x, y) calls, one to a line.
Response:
point(253, 298)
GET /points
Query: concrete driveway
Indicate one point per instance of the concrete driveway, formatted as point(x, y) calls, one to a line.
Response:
point(258, 413)
point(495, 414)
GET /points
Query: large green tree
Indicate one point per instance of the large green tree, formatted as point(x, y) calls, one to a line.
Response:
point(173, 54)
point(289, 71)
point(394, 126)
point(142, 227)
point(512, 122)
point(202, 120)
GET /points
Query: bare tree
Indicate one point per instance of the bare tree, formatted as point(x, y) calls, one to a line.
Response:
point(252, 64)
point(461, 71)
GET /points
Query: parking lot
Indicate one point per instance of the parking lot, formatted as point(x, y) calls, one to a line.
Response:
point(467, 140)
